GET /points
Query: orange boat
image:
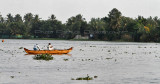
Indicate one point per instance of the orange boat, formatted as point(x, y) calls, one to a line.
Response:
point(65, 51)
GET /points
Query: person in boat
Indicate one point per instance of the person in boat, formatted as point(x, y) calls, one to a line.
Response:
point(50, 47)
point(36, 47)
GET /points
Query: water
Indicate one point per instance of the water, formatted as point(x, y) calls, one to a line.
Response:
point(112, 62)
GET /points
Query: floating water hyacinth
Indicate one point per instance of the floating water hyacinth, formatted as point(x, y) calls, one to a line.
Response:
point(65, 59)
point(21, 48)
point(46, 57)
point(84, 78)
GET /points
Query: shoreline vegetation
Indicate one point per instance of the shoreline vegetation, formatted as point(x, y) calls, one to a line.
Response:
point(83, 40)
point(112, 27)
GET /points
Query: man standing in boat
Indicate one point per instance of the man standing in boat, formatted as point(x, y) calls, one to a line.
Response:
point(36, 47)
point(50, 47)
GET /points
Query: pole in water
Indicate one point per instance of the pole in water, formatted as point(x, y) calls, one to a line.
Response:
point(2, 40)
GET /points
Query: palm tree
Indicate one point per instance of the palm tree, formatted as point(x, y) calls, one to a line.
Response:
point(53, 17)
point(10, 18)
point(18, 18)
point(28, 23)
point(114, 18)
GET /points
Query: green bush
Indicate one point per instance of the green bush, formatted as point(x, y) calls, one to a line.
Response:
point(46, 57)
point(126, 37)
point(143, 38)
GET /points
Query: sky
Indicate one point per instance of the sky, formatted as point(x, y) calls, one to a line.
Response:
point(64, 9)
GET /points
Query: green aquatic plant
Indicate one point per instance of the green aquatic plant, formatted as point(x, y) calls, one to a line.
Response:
point(125, 52)
point(21, 48)
point(108, 58)
point(46, 57)
point(72, 79)
point(95, 76)
point(12, 76)
point(81, 50)
point(115, 60)
point(65, 59)
point(92, 46)
point(84, 78)
point(133, 53)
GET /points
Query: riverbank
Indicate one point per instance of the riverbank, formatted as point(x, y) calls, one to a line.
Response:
point(80, 40)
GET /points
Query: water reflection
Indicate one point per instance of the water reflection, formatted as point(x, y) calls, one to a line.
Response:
point(53, 54)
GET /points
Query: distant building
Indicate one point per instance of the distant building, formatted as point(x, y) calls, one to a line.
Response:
point(81, 37)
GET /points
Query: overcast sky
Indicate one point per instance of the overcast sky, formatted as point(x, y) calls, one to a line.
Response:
point(64, 9)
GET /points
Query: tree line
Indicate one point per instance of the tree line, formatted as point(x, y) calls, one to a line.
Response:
point(112, 27)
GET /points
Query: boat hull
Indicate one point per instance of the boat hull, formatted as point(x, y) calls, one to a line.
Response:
point(48, 51)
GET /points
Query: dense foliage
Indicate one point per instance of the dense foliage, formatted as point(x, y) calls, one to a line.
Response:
point(112, 27)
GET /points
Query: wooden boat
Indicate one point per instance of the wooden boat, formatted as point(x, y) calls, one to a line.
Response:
point(65, 51)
